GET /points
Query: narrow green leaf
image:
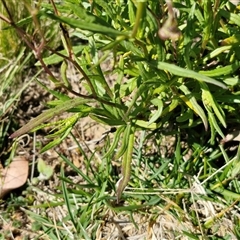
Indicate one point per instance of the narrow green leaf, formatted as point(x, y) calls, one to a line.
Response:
point(216, 52)
point(232, 40)
point(54, 58)
point(187, 73)
point(131, 12)
point(65, 125)
point(116, 139)
point(48, 114)
point(210, 103)
point(92, 27)
point(77, 170)
point(106, 121)
point(186, 116)
point(56, 141)
point(87, 16)
point(125, 142)
point(111, 12)
point(221, 71)
point(144, 124)
point(170, 107)
point(63, 72)
point(208, 23)
point(232, 81)
point(106, 112)
point(159, 104)
point(126, 166)
point(57, 94)
point(212, 119)
point(66, 198)
point(199, 16)
point(228, 195)
point(196, 107)
point(234, 18)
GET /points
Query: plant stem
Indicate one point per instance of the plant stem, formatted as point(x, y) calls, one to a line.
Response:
point(140, 8)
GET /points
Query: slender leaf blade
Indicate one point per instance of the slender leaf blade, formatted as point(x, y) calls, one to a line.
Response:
point(89, 26)
point(187, 73)
point(48, 114)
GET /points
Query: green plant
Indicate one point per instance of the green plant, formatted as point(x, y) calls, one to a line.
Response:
point(154, 82)
point(147, 75)
point(180, 86)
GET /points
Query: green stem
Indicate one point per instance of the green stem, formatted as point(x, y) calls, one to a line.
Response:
point(140, 8)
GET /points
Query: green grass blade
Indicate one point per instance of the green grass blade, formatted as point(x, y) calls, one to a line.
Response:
point(66, 198)
point(84, 176)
